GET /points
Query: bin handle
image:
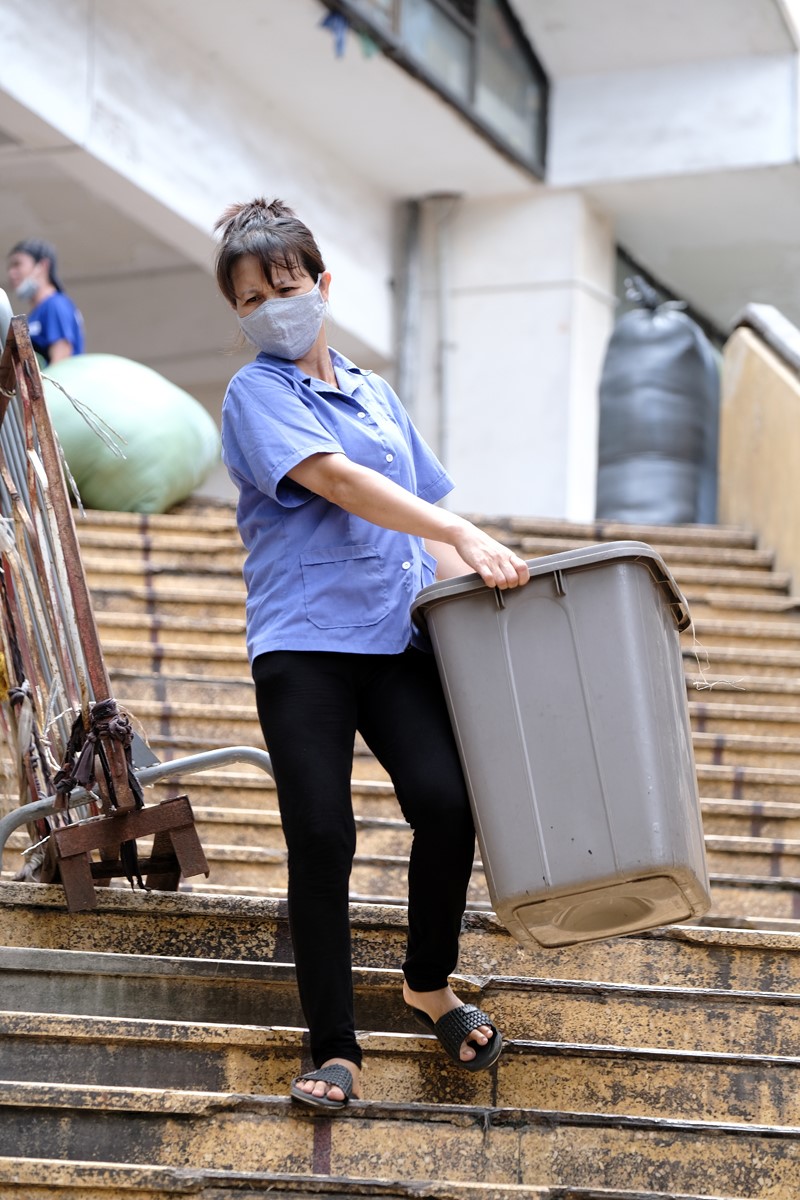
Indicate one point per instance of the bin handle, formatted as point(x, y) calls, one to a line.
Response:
point(500, 599)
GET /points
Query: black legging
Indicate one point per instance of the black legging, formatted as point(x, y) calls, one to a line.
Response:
point(310, 704)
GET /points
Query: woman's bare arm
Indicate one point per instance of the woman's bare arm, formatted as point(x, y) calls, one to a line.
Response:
point(367, 494)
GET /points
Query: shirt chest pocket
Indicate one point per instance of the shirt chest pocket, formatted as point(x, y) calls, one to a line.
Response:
point(344, 587)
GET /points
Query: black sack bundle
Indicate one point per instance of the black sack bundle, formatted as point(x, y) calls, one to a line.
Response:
point(659, 417)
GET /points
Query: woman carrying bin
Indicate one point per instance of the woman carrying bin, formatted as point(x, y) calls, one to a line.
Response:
point(337, 511)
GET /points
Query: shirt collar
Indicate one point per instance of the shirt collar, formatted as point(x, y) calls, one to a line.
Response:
point(349, 377)
point(356, 373)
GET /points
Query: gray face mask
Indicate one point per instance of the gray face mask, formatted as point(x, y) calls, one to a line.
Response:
point(286, 328)
point(27, 289)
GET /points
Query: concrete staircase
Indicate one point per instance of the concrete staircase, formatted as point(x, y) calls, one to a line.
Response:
point(146, 1047)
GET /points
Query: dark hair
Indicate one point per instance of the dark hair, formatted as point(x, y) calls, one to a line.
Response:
point(272, 234)
point(39, 249)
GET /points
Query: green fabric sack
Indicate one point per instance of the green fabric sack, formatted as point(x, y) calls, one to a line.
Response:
point(169, 440)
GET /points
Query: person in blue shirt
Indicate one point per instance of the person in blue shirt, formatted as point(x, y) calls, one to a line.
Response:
point(54, 322)
point(337, 511)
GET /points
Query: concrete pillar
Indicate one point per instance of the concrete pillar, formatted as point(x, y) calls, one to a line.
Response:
point(517, 309)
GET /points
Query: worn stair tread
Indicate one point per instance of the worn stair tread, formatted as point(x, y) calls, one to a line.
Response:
point(159, 621)
point(105, 999)
point(188, 1102)
point(244, 992)
point(413, 1141)
point(218, 518)
point(673, 553)
point(98, 1180)
point(166, 651)
point(757, 656)
point(221, 518)
point(703, 711)
point(741, 630)
point(241, 927)
point(102, 568)
point(740, 603)
point(608, 531)
point(743, 685)
point(405, 1068)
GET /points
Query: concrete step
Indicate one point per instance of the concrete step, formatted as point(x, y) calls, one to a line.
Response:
point(226, 600)
point(104, 570)
point(611, 531)
point(178, 658)
point(153, 627)
point(725, 605)
point(234, 827)
point(710, 633)
point(220, 1131)
point(753, 901)
point(220, 679)
point(776, 661)
point(180, 544)
point(738, 900)
point(74, 985)
point(166, 552)
point(185, 520)
point(745, 689)
point(674, 554)
point(736, 716)
point(196, 603)
point(21, 1179)
point(220, 521)
point(253, 928)
point(152, 651)
point(263, 869)
point(752, 818)
point(766, 829)
point(215, 691)
point(379, 834)
point(746, 782)
point(224, 708)
point(401, 1068)
point(744, 749)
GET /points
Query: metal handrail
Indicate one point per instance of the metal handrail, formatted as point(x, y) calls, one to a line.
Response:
point(190, 765)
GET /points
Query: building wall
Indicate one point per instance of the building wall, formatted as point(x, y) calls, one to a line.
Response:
point(528, 308)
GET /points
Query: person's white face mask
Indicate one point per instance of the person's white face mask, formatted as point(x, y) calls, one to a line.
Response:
point(286, 327)
point(27, 289)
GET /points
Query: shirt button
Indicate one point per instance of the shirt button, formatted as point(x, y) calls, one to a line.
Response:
point(361, 416)
point(406, 565)
point(389, 457)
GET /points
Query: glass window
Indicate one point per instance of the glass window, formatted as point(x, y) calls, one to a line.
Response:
point(439, 44)
point(381, 11)
point(507, 91)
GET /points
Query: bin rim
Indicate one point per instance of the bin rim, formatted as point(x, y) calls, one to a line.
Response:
point(565, 561)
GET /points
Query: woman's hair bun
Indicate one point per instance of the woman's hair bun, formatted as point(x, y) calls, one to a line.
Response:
point(238, 217)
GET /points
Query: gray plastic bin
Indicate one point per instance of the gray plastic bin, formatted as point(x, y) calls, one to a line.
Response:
point(568, 701)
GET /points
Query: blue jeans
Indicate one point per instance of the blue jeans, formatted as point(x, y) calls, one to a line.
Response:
point(310, 705)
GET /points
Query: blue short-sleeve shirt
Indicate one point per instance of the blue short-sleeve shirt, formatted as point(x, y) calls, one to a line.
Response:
point(54, 320)
point(319, 578)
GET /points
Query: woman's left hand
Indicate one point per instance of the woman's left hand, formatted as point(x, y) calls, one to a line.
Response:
point(495, 563)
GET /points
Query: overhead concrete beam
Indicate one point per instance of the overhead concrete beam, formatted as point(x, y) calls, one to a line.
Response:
point(155, 127)
point(656, 123)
